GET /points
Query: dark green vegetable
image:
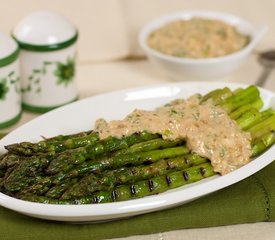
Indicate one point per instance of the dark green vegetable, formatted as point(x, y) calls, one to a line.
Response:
point(139, 189)
point(263, 127)
point(243, 97)
point(257, 104)
point(149, 145)
point(154, 185)
point(262, 144)
point(55, 144)
point(65, 160)
point(111, 178)
point(218, 95)
point(28, 171)
point(81, 169)
point(123, 160)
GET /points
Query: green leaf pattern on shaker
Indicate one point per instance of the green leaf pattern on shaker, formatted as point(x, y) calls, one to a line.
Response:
point(5, 83)
point(63, 71)
point(3, 89)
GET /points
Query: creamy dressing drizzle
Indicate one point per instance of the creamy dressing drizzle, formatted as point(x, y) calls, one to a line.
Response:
point(207, 129)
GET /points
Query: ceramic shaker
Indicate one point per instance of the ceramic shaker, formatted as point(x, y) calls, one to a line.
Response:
point(47, 43)
point(10, 94)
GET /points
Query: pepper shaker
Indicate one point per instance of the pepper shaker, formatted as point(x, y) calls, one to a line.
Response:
point(10, 92)
point(48, 55)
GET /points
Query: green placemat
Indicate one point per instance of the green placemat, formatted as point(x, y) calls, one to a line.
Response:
point(2, 134)
point(251, 200)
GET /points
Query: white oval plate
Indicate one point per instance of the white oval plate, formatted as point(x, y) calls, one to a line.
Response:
point(81, 116)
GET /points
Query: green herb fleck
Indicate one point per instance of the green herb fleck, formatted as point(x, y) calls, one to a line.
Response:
point(222, 152)
point(3, 89)
point(167, 133)
point(196, 115)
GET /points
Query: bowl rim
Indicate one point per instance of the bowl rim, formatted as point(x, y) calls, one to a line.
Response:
point(255, 34)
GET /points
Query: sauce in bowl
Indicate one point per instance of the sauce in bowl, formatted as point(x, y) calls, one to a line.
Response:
point(197, 38)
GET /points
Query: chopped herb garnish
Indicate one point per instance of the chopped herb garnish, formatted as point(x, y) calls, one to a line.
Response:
point(167, 133)
point(196, 115)
point(222, 152)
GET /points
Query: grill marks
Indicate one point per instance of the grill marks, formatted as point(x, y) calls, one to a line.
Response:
point(152, 185)
point(185, 176)
point(202, 171)
point(95, 199)
point(114, 195)
point(168, 180)
point(187, 161)
point(133, 190)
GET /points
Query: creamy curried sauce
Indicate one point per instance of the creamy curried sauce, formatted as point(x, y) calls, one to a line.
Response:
point(207, 129)
point(197, 38)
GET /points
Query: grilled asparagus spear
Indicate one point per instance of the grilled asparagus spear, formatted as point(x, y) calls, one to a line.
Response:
point(67, 159)
point(154, 185)
point(110, 178)
point(55, 144)
point(11, 183)
point(140, 189)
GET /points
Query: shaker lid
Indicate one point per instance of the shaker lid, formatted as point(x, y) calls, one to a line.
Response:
point(44, 31)
point(8, 50)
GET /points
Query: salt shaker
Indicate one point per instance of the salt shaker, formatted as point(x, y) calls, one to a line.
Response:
point(10, 92)
point(47, 43)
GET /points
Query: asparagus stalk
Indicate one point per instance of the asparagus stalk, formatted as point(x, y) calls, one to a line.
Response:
point(248, 118)
point(257, 148)
point(110, 178)
point(9, 160)
point(25, 173)
point(245, 96)
point(264, 115)
point(71, 188)
point(62, 137)
point(39, 187)
point(44, 187)
point(97, 166)
point(263, 127)
point(58, 144)
point(66, 160)
point(151, 186)
point(62, 185)
point(137, 190)
point(257, 104)
point(61, 178)
point(218, 95)
point(155, 185)
point(59, 189)
point(149, 145)
point(260, 145)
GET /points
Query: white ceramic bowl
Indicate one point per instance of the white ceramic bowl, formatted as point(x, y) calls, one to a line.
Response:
point(210, 68)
